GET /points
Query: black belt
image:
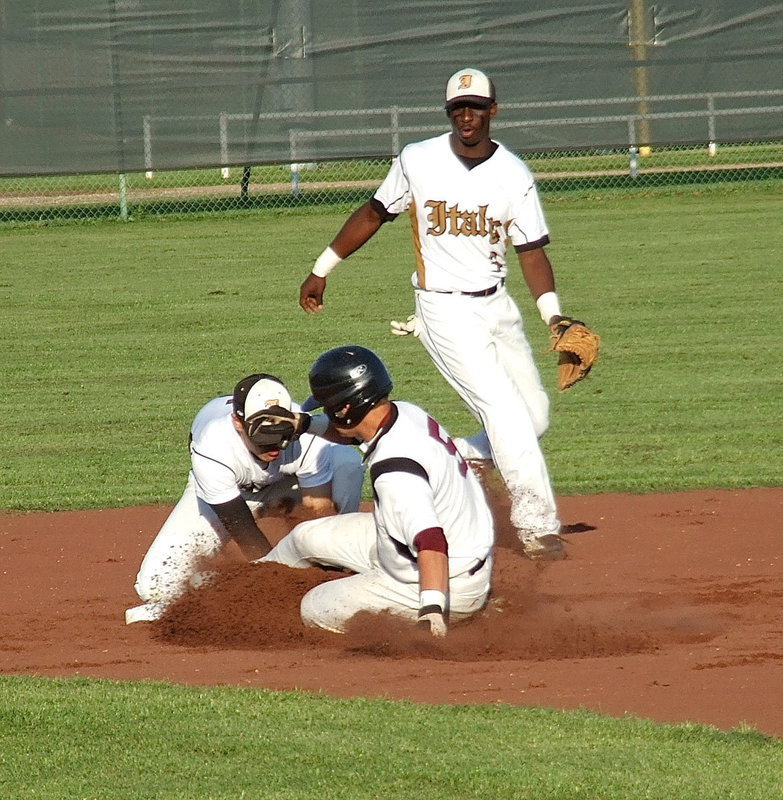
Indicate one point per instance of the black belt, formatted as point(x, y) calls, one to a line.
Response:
point(480, 293)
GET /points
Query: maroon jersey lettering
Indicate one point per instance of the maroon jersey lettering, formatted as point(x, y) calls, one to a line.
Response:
point(438, 433)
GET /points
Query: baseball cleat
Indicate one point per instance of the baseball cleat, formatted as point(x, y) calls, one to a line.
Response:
point(546, 547)
point(147, 612)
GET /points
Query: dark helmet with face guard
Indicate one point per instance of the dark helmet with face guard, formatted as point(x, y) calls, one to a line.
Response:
point(348, 381)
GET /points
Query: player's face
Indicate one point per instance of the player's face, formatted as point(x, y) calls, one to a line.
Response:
point(261, 453)
point(470, 124)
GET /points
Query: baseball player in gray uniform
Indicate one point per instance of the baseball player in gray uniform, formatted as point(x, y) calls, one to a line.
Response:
point(425, 552)
point(467, 197)
point(242, 466)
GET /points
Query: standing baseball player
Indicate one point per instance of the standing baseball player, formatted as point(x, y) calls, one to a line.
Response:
point(467, 197)
point(242, 466)
point(425, 552)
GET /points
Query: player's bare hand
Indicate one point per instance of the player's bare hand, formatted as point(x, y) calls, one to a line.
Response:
point(311, 294)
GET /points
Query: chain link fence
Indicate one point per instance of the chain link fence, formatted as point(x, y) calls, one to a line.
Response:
point(302, 182)
point(315, 184)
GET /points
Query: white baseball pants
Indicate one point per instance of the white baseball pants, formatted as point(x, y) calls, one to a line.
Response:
point(348, 541)
point(479, 346)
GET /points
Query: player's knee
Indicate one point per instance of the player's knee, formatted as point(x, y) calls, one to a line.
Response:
point(316, 613)
point(142, 588)
point(305, 538)
point(309, 611)
point(539, 413)
point(540, 426)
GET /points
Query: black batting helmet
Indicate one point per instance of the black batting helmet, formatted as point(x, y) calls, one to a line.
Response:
point(348, 381)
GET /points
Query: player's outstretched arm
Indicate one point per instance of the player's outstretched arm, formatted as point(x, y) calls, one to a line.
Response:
point(361, 226)
point(434, 587)
point(238, 521)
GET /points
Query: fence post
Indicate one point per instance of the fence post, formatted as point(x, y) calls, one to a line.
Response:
point(712, 142)
point(294, 166)
point(633, 150)
point(639, 40)
point(225, 172)
point(147, 127)
point(395, 127)
point(123, 197)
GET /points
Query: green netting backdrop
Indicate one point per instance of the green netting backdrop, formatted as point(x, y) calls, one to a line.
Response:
point(166, 94)
point(124, 85)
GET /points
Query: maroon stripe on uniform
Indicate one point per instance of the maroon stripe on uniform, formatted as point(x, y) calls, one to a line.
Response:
point(431, 539)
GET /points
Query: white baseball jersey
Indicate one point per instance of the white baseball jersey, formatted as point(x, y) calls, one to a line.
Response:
point(462, 218)
point(421, 482)
point(224, 468)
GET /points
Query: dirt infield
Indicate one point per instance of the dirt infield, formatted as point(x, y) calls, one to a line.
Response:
point(669, 607)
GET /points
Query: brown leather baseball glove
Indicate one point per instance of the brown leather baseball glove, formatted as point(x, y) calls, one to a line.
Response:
point(578, 348)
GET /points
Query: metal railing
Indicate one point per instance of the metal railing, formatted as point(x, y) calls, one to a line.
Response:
point(718, 149)
point(697, 106)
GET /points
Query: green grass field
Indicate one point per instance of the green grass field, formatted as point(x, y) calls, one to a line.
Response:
point(114, 334)
point(138, 741)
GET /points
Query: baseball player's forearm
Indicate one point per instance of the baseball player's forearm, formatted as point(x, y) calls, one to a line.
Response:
point(317, 500)
point(359, 228)
point(240, 524)
point(540, 280)
point(433, 571)
point(537, 270)
point(319, 425)
point(433, 591)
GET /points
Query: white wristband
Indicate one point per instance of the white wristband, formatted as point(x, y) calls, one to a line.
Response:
point(548, 306)
point(325, 263)
point(318, 424)
point(432, 597)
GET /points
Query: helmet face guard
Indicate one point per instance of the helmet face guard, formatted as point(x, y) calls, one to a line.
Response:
point(348, 382)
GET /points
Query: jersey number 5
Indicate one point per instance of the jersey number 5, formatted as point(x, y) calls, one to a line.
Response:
point(438, 433)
